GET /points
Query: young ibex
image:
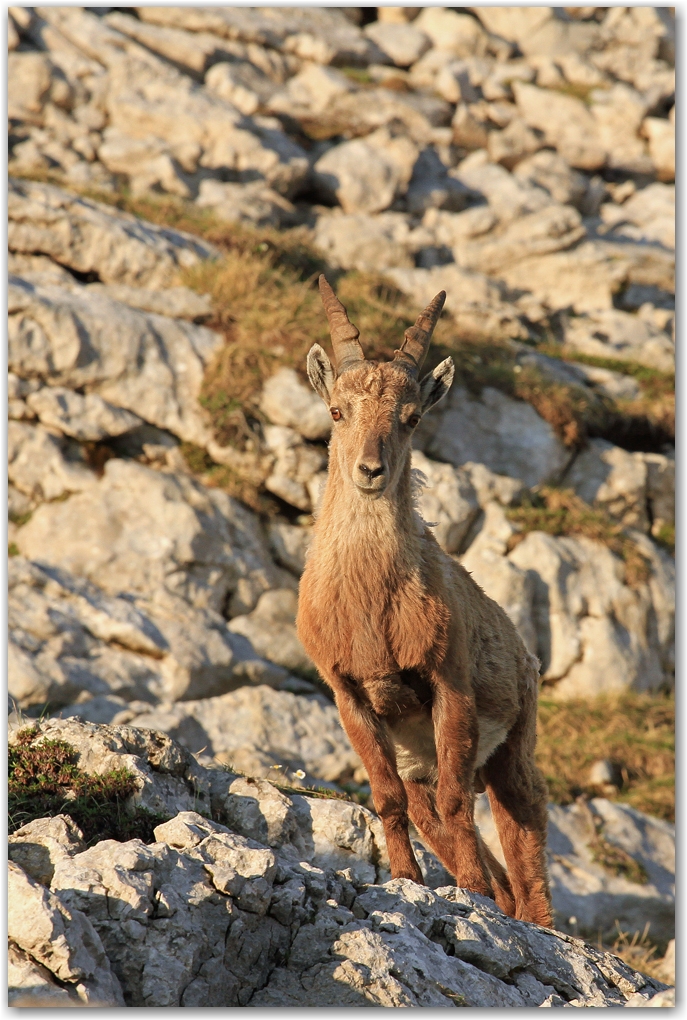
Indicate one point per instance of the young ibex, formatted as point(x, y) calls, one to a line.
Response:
point(435, 689)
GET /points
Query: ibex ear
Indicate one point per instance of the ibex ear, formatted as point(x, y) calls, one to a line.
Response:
point(436, 384)
point(320, 372)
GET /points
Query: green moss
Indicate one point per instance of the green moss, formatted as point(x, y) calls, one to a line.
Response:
point(13, 549)
point(45, 780)
point(20, 519)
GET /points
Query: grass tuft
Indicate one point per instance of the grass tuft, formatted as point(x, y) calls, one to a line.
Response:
point(637, 730)
point(45, 780)
point(561, 512)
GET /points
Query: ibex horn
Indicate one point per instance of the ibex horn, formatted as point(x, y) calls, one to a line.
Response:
point(417, 338)
point(347, 349)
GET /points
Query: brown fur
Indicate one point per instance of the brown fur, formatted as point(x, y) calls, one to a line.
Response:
point(418, 657)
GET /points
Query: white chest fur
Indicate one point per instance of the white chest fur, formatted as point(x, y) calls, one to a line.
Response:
point(416, 755)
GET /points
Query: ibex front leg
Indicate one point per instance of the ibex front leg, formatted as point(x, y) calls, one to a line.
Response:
point(456, 735)
point(369, 738)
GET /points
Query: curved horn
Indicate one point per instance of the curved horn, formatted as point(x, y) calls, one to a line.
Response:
point(347, 349)
point(417, 338)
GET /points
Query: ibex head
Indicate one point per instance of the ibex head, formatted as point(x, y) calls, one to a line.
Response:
point(375, 406)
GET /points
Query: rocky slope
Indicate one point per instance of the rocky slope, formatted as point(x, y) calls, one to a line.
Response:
point(518, 158)
point(284, 900)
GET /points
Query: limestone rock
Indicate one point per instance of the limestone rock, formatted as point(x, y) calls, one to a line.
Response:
point(38, 464)
point(594, 632)
point(508, 584)
point(506, 435)
point(460, 34)
point(611, 333)
point(473, 300)
point(144, 363)
point(652, 210)
point(149, 533)
point(86, 418)
point(555, 228)
point(64, 941)
point(36, 846)
point(369, 243)
point(325, 35)
point(287, 401)
point(271, 629)
point(174, 302)
point(584, 279)
point(289, 545)
point(252, 203)
point(284, 889)
point(296, 464)
point(404, 44)
point(300, 732)
point(549, 170)
point(620, 481)
point(366, 175)
point(310, 92)
point(448, 503)
point(661, 136)
point(89, 237)
point(243, 84)
point(192, 51)
point(589, 897)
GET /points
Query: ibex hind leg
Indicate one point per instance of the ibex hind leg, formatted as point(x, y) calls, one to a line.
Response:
point(503, 893)
point(517, 794)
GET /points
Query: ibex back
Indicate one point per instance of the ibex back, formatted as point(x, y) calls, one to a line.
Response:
point(434, 686)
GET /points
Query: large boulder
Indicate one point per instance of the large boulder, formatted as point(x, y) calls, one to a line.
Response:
point(277, 902)
point(70, 641)
point(505, 434)
point(148, 364)
point(144, 532)
point(92, 238)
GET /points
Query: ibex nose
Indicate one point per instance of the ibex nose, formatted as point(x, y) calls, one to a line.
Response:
point(371, 471)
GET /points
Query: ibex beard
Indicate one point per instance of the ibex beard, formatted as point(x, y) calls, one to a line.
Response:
point(434, 686)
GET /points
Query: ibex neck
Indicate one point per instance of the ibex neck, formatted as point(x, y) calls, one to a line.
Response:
point(385, 529)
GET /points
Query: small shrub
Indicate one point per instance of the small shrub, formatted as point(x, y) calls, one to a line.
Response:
point(45, 780)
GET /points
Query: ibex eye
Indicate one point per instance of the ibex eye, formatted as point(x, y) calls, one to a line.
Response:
point(414, 420)
point(335, 413)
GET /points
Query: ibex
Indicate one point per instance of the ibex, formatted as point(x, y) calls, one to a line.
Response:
point(434, 686)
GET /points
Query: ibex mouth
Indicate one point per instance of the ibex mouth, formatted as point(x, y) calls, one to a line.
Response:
point(374, 490)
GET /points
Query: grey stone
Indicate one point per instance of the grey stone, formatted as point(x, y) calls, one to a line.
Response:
point(144, 363)
point(287, 401)
point(38, 465)
point(151, 532)
point(594, 632)
point(279, 903)
point(447, 501)
point(404, 44)
point(366, 175)
point(472, 299)
point(289, 545)
point(93, 238)
point(271, 629)
point(611, 333)
point(303, 732)
point(252, 203)
point(86, 418)
point(506, 435)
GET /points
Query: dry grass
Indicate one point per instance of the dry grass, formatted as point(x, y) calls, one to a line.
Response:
point(637, 950)
point(634, 730)
point(644, 423)
point(267, 305)
point(561, 512)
